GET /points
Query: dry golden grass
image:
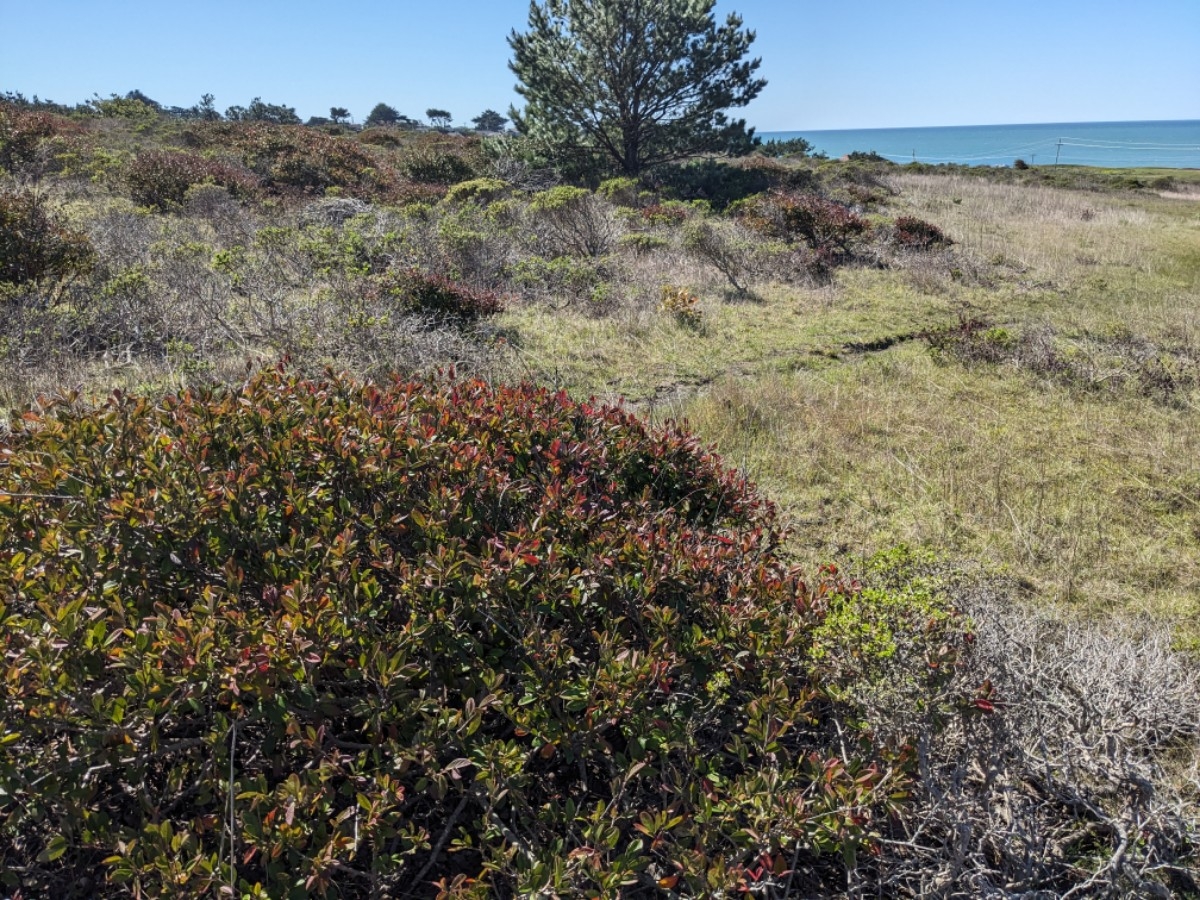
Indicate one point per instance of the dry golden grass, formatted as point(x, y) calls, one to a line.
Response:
point(1076, 259)
point(1091, 501)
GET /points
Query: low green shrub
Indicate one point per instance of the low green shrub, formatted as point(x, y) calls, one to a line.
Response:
point(430, 165)
point(716, 182)
point(563, 278)
point(353, 249)
point(621, 192)
point(322, 638)
point(642, 242)
point(478, 190)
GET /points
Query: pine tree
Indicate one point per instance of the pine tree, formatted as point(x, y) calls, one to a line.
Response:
point(640, 81)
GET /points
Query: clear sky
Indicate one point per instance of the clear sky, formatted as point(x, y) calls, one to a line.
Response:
point(830, 64)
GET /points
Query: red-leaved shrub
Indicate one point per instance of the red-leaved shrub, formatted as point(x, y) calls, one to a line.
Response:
point(435, 295)
point(161, 178)
point(333, 639)
point(22, 132)
point(826, 226)
point(293, 158)
point(36, 245)
point(910, 233)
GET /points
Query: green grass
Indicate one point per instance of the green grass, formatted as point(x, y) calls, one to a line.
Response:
point(1091, 501)
point(645, 354)
point(1087, 496)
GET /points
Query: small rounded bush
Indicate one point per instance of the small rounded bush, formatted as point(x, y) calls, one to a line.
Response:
point(682, 305)
point(435, 295)
point(162, 178)
point(621, 192)
point(430, 165)
point(643, 243)
point(325, 638)
point(670, 213)
point(35, 245)
point(826, 226)
point(911, 233)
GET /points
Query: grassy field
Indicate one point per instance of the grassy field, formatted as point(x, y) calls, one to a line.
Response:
point(1085, 488)
point(1052, 433)
point(976, 391)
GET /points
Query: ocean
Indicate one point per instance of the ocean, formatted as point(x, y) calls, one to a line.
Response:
point(1174, 145)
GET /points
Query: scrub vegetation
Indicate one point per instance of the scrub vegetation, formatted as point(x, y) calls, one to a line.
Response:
point(350, 547)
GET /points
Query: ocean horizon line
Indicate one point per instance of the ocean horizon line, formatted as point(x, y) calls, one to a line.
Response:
point(1159, 143)
point(762, 131)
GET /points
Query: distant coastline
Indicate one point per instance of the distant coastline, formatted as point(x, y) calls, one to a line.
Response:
point(1146, 144)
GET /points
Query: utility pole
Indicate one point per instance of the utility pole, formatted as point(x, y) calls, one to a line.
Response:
point(1059, 153)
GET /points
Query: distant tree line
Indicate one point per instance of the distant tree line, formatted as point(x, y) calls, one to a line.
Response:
point(137, 104)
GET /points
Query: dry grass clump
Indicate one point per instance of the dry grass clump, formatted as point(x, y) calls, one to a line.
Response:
point(1063, 761)
point(1114, 362)
point(1052, 232)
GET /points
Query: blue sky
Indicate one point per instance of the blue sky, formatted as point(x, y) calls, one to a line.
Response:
point(830, 64)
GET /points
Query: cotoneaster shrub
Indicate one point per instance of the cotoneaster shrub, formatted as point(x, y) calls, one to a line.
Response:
point(331, 639)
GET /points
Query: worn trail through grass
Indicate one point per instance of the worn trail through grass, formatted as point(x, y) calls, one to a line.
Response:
point(1085, 490)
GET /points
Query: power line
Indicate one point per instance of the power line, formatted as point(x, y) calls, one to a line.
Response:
point(1066, 150)
point(1148, 145)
